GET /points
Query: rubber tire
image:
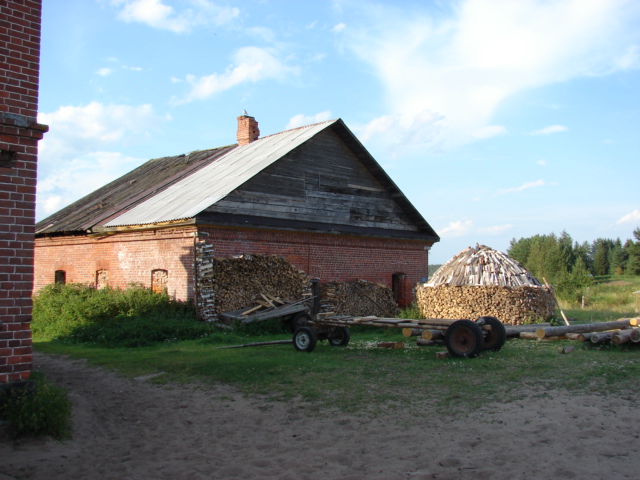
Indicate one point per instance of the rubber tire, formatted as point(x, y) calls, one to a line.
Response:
point(300, 319)
point(341, 337)
point(464, 338)
point(305, 339)
point(496, 337)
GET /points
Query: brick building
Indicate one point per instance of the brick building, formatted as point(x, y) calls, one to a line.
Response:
point(19, 136)
point(312, 195)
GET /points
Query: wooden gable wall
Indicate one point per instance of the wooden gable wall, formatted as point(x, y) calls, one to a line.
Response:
point(323, 182)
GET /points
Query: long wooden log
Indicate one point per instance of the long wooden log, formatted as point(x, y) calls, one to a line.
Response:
point(580, 337)
point(601, 337)
point(534, 336)
point(421, 342)
point(425, 334)
point(586, 328)
point(259, 344)
point(515, 330)
point(621, 336)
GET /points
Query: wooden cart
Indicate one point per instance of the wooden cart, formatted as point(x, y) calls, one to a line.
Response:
point(293, 313)
point(463, 338)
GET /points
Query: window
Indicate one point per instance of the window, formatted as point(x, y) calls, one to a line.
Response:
point(102, 279)
point(60, 277)
point(397, 281)
point(7, 158)
point(159, 280)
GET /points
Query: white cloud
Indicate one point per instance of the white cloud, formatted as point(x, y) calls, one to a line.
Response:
point(630, 59)
point(301, 120)
point(549, 130)
point(338, 28)
point(633, 217)
point(76, 130)
point(462, 62)
point(103, 72)
point(79, 176)
point(456, 228)
point(250, 65)
point(490, 131)
point(73, 157)
point(495, 230)
point(524, 186)
point(157, 14)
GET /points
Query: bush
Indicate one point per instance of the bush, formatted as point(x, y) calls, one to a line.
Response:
point(134, 317)
point(36, 409)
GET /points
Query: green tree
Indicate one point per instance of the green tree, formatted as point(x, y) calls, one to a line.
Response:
point(618, 260)
point(583, 251)
point(633, 251)
point(601, 257)
point(519, 250)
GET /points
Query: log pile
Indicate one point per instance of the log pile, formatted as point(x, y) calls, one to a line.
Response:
point(481, 265)
point(511, 305)
point(205, 292)
point(358, 298)
point(481, 281)
point(243, 281)
point(617, 332)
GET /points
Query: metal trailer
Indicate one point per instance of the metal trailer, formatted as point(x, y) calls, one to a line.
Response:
point(463, 338)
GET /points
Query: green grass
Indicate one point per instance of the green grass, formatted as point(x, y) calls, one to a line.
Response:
point(610, 296)
point(38, 408)
point(364, 378)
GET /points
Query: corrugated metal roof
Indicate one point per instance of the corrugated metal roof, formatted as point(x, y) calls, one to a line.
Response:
point(193, 194)
point(121, 194)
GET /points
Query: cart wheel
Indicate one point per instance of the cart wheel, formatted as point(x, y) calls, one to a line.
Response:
point(495, 338)
point(300, 319)
point(340, 337)
point(464, 339)
point(305, 339)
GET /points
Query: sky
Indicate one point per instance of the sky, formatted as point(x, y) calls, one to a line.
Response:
point(498, 119)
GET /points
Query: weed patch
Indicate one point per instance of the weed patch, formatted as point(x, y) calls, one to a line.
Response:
point(37, 409)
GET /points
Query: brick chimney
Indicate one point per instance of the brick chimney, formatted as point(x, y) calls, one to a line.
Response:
point(248, 130)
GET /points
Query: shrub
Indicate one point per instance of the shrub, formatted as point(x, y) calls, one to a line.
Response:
point(134, 317)
point(36, 409)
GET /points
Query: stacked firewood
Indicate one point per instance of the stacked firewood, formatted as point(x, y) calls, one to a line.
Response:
point(358, 298)
point(482, 265)
point(205, 293)
point(511, 305)
point(245, 281)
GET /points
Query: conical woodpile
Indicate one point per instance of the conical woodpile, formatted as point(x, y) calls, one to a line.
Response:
point(481, 281)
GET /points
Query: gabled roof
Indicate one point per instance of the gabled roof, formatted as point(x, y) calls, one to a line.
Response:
point(190, 196)
point(115, 197)
point(178, 188)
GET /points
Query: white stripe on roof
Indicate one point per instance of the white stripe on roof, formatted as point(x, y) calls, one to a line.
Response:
point(193, 194)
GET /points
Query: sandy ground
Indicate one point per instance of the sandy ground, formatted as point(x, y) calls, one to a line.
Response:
point(133, 429)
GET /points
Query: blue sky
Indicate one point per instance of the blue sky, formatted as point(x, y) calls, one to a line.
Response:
point(498, 119)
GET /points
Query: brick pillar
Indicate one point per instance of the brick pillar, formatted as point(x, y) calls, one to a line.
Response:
point(19, 136)
point(248, 130)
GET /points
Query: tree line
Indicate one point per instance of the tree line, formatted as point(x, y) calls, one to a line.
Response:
point(571, 266)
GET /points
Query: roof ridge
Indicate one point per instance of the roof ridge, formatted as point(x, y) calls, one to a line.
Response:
point(300, 128)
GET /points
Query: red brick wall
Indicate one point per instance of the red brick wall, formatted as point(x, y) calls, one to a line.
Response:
point(126, 257)
point(19, 135)
point(333, 257)
point(131, 257)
